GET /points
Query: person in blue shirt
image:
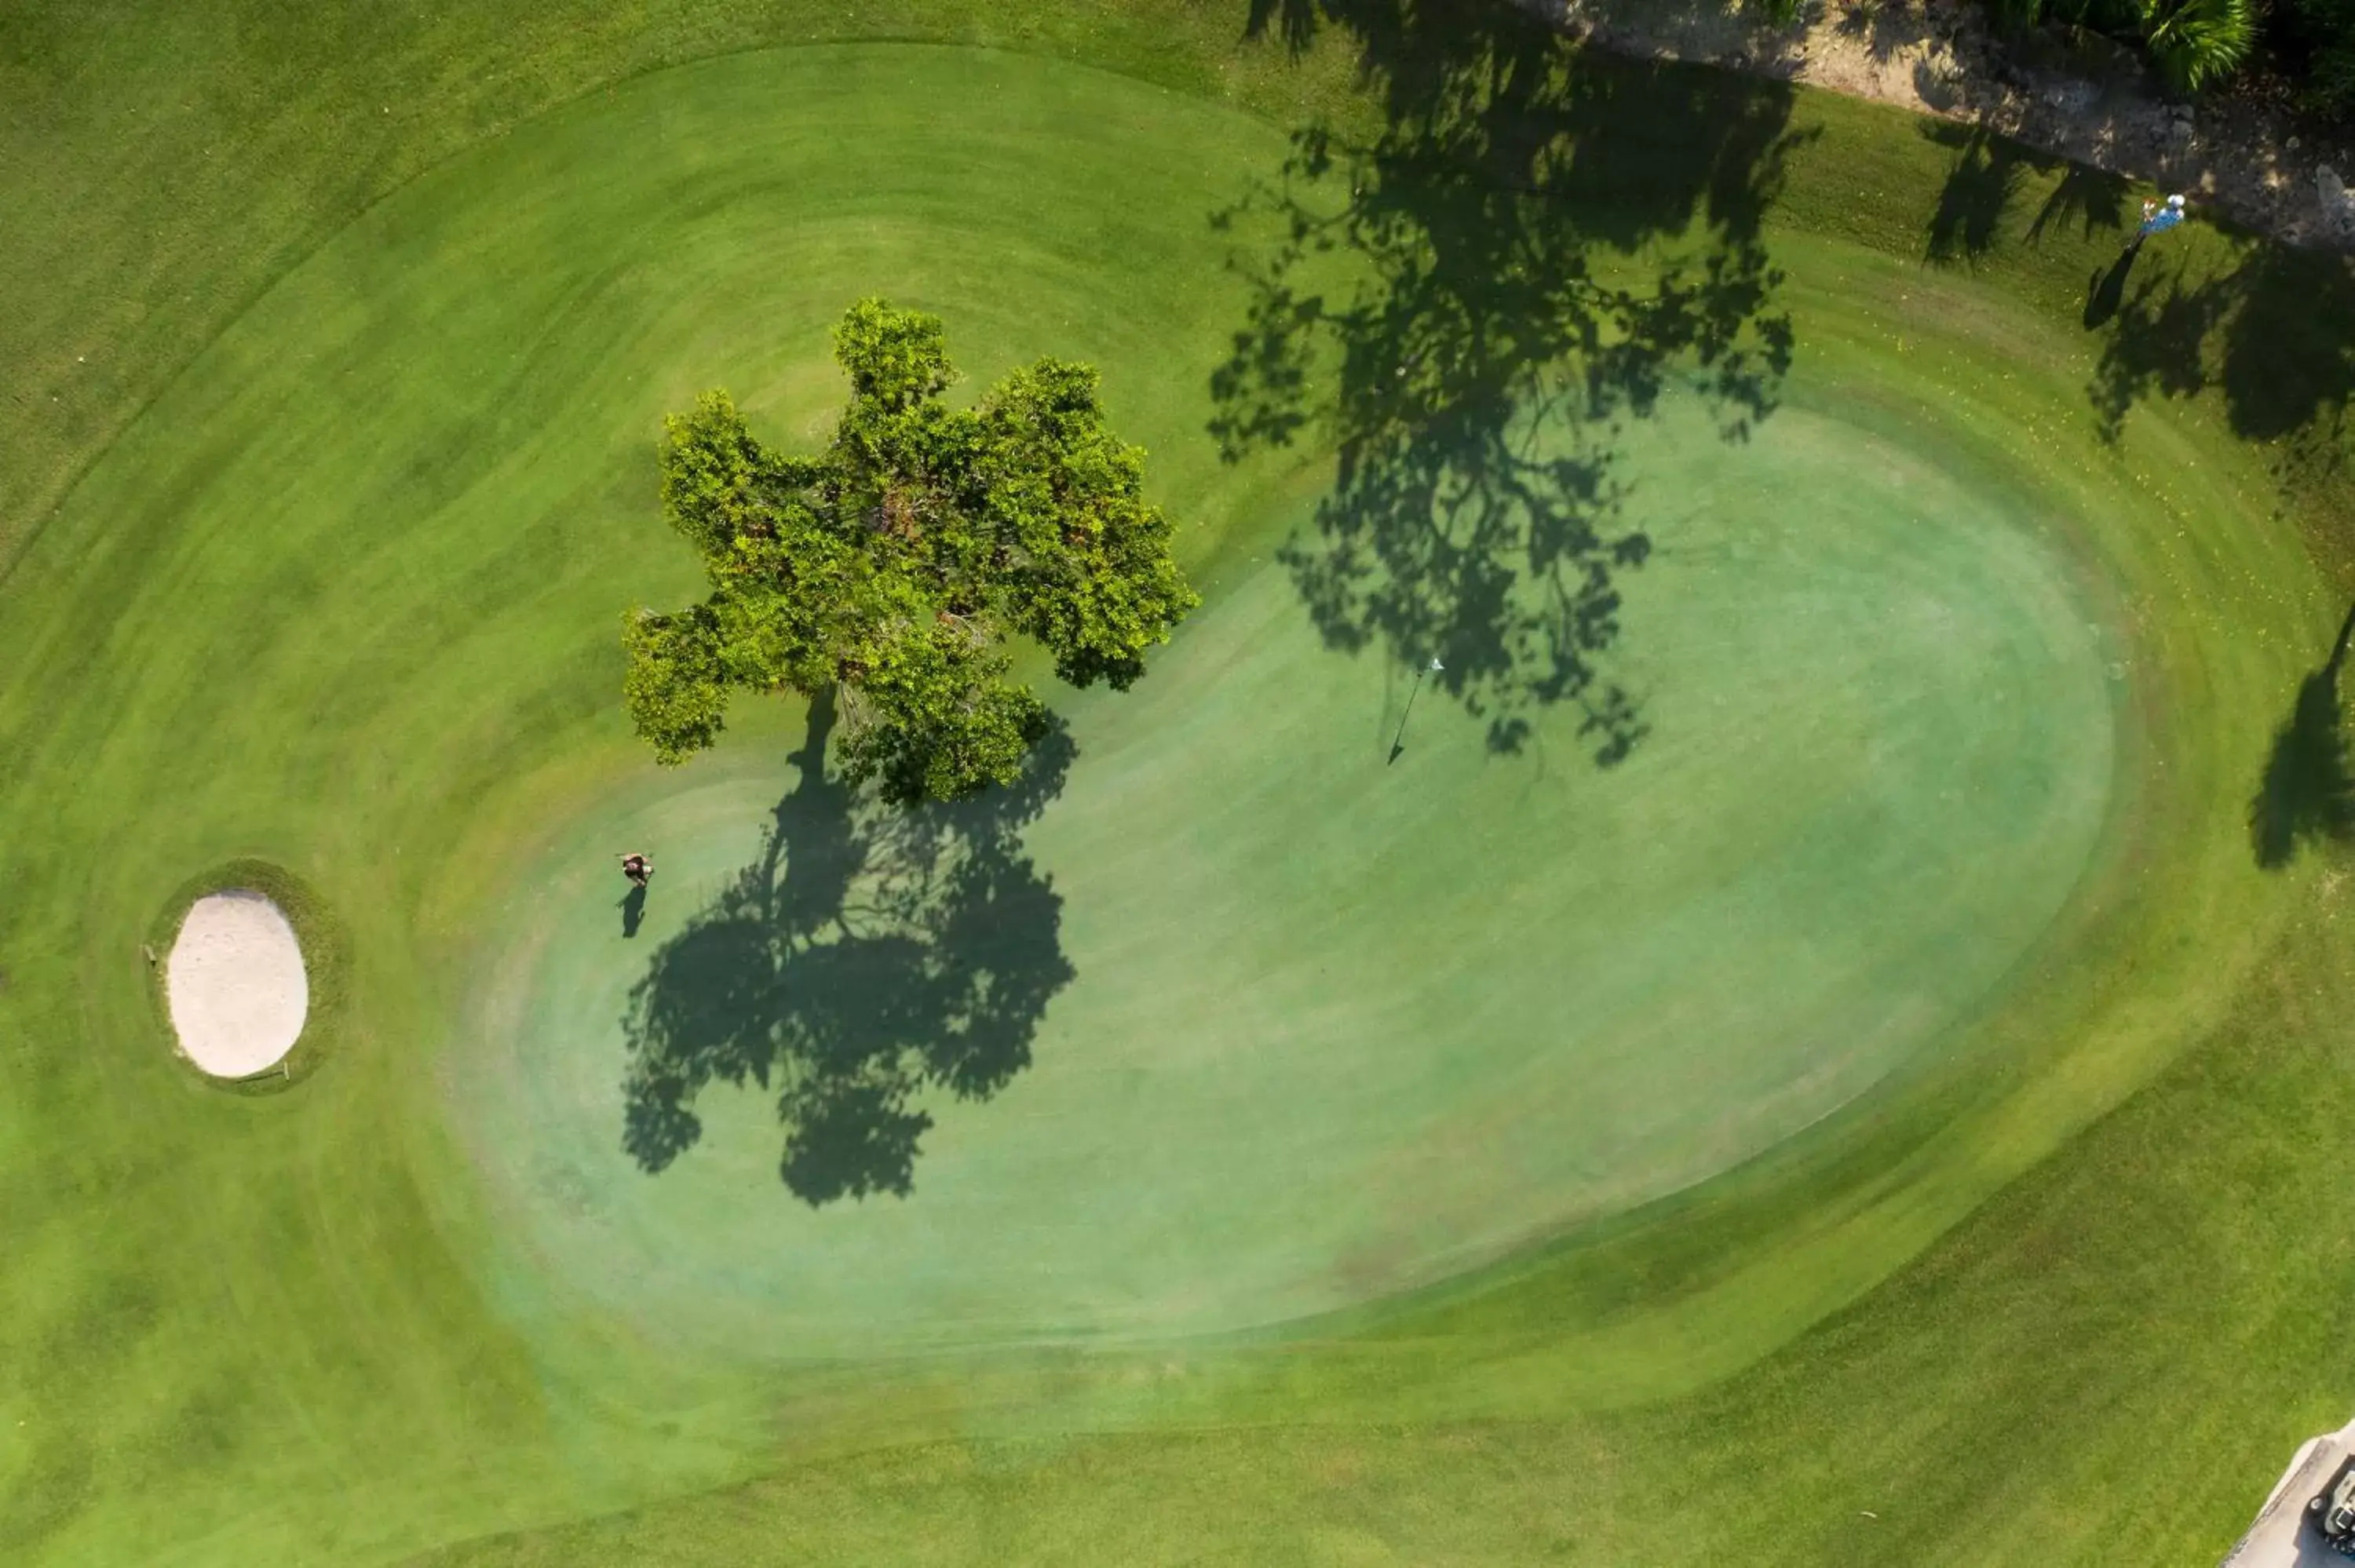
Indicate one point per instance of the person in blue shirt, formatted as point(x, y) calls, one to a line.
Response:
point(2158, 219)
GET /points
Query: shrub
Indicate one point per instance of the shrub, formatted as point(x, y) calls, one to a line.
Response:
point(2319, 35)
point(2198, 42)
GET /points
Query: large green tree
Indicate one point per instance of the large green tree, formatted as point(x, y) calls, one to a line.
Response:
point(892, 568)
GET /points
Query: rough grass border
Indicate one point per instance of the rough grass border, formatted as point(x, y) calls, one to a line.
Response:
point(319, 933)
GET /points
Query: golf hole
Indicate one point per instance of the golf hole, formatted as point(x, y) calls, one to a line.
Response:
point(236, 985)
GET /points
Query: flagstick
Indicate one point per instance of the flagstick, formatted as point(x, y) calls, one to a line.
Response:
point(1398, 742)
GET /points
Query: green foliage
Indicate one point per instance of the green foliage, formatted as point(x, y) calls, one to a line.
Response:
point(2014, 14)
point(676, 685)
point(2198, 42)
point(2321, 33)
point(894, 568)
point(2195, 43)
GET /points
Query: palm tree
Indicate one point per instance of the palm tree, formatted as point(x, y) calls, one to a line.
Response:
point(2198, 42)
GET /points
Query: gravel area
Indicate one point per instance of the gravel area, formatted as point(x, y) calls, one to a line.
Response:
point(2234, 155)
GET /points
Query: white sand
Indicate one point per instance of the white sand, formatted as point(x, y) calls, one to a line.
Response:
point(235, 984)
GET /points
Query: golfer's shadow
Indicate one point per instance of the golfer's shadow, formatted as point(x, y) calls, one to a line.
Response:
point(2105, 291)
point(633, 909)
point(870, 959)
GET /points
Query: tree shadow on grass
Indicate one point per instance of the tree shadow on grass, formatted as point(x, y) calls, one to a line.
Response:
point(870, 954)
point(1468, 302)
point(2159, 332)
point(2271, 328)
point(2082, 197)
point(2307, 795)
point(1984, 183)
point(1979, 186)
point(2272, 332)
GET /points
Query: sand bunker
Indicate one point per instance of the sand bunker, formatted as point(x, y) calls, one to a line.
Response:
point(235, 984)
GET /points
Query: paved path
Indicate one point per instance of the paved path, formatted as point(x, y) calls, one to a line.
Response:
point(2281, 1538)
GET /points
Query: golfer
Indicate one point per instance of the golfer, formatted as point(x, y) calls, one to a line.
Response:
point(637, 868)
point(2158, 219)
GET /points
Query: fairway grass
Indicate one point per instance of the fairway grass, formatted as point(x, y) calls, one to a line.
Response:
point(1863, 1100)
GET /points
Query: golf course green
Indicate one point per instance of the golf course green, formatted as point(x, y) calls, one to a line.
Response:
point(1888, 1082)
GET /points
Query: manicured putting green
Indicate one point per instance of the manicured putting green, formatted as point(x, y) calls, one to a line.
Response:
point(1340, 1028)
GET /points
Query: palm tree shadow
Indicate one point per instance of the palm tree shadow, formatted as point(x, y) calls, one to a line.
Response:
point(1535, 245)
point(2087, 197)
point(869, 957)
point(1979, 188)
point(2307, 795)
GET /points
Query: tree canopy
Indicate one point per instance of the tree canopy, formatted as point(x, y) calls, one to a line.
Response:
point(891, 569)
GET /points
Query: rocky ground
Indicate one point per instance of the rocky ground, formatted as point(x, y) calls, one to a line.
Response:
point(2234, 154)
